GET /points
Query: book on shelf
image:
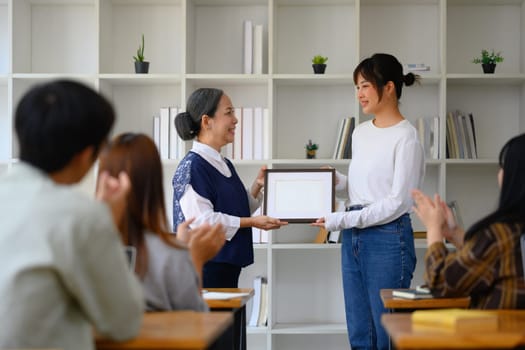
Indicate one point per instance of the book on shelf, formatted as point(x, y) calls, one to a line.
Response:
point(460, 139)
point(428, 132)
point(259, 314)
point(174, 143)
point(416, 67)
point(461, 136)
point(452, 136)
point(266, 134)
point(456, 319)
point(164, 133)
point(248, 47)
point(340, 132)
point(263, 310)
point(412, 293)
point(156, 131)
point(257, 49)
point(247, 133)
point(258, 131)
point(237, 141)
point(343, 145)
point(475, 146)
point(466, 137)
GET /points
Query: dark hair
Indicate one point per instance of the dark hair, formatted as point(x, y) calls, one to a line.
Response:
point(511, 206)
point(203, 101)
point(382, 68)
point(57, 120)
point(137, 155)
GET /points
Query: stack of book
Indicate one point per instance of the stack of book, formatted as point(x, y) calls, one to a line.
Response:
point(259, 315)
point(251, 134)
point(168, 142)
point(428, 132)
point(343, 144)
point(461, 136)
point(252, 48)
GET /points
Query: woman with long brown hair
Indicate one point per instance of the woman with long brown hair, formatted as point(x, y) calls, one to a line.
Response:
point(170, 273)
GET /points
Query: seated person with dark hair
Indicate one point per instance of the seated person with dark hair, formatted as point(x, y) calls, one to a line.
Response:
point(64, 269)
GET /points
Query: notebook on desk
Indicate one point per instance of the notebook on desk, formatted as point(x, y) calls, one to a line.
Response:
point(412, 293)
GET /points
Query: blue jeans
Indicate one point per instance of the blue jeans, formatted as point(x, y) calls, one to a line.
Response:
point(374, 258)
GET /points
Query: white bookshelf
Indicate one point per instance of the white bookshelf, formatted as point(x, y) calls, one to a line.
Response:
point(198, 43)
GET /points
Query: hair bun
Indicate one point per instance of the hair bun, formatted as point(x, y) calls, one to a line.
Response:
point(186, 127)
point(410, 78)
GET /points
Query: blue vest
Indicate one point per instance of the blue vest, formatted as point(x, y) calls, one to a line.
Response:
point(228, 196)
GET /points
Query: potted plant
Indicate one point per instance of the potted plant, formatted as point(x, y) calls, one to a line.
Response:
point(311, 149)
point(141, 66)
point(488, 60)
point(319, 64)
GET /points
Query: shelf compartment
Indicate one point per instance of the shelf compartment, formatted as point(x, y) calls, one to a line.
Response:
point(468, 33)
point(213, 48)
point(302, 31)
point(325, 305)
point(468, 188)
point(303, 113)
point(420, 28)
point(122, 24)
point(47, 37)
point(497, 110)
point(137, 104)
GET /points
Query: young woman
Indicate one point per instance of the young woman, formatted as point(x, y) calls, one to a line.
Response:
point(487, 263)
point(378, 245)
point(207, 187)
point(170, 272)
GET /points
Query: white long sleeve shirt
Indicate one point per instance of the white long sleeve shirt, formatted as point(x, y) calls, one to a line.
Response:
point(194, 205)
point(387, 164)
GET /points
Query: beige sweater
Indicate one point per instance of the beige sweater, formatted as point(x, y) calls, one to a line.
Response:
point(62, 267)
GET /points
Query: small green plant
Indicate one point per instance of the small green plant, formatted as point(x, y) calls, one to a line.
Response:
point(318, 59)
point(310, 146)
point(487, 57)
point(140, 52)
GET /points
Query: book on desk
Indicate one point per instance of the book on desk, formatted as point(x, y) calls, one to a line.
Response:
point(456, 319)
point(412, 293)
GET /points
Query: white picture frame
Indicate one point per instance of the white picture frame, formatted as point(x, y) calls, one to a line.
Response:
point(299, 195)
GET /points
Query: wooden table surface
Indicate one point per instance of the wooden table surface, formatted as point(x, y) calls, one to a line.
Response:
point(229, 303)
point(510, 333)
point(180, 330)
point(390, 302)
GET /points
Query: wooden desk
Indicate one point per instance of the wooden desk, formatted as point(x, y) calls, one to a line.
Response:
point(180, 330)
point(510, 333)
point(238, 306)
point(398, 304)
